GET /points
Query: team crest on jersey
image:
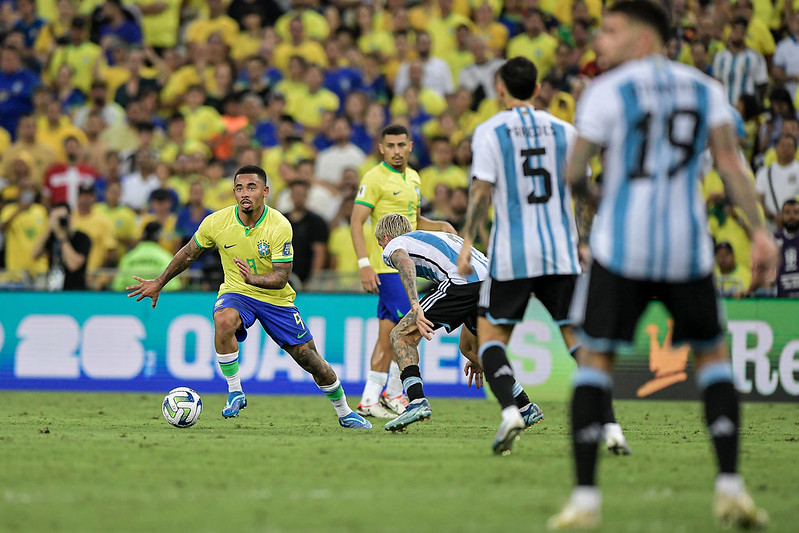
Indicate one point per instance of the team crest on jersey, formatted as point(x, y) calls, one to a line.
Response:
point(263, 248)
point(287, 249)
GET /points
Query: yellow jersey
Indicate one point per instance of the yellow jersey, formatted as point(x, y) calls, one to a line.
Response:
point(540, 50)
point(385, 190)
point(123, 220)
point(100, 230)
point(21, 237)
point(451, 176)
point(266, 243)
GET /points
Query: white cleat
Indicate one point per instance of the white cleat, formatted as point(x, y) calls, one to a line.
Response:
point(615, 441)
point(582, 511)
point(374, 410)
point(398, 404)
point(739, 511)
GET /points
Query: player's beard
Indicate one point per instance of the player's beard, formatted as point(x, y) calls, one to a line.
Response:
point(791, 227)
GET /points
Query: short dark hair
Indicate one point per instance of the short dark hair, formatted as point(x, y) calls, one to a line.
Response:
point(252, 169)
point(152, 232)
point(739, 21)
point(646, 12)
point(519, 76)
point(789, 201)
point(395, 129)
point(788, 136)
point(724, 245)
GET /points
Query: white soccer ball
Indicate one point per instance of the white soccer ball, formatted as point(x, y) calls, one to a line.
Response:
point(182, 407)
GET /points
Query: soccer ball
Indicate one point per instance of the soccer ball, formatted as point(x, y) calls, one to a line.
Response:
point(182, 407)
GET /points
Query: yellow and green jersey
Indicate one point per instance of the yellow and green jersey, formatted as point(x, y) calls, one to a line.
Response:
point(266, 243)
point(385, 190)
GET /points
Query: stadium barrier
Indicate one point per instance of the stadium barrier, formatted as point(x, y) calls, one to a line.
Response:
point(106, 342)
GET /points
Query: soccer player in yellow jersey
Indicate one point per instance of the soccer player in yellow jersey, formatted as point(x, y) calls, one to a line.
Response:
point(390, 187)
point(254, 243)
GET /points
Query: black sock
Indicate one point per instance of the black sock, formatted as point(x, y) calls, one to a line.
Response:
point(586, 430)
point(521, 399)
point(723, 418)
point(498, 373)
point(412, 382)
point(608, 416)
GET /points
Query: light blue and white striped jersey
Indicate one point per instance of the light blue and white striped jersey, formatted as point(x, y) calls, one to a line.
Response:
point(740, 73)
point(653, 116)
point(523, 154)
point(435, 255)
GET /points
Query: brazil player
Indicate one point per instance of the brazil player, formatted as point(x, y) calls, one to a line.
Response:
point(390, 187)
point(450, 304)
point(254, 243)
point(650, 239)
point(519, 158)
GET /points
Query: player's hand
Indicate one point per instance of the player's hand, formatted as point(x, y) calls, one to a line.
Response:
point(446, 227)
point(473, 372)
point(465, 261)
point(370, 280)
point(424, 325)
point(147, 288)
point(764, 257)
point(244, 270)
point(584, 256)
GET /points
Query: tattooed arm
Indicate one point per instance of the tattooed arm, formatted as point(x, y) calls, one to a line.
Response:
point(479, 204)
point(274, 280)
point(407, 272)
point(151, 288)
point(586, 194)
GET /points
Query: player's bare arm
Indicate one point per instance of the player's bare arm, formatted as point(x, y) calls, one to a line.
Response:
point(151, 288)
point(476, 213)
point(274, 280)
point(585, 192)
point(736, 180)
point(407, 272)
point(369, 279)
point(426, 224)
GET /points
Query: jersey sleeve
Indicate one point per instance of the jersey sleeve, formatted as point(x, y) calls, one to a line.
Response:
point(203, 237)
point(595, 110)
point(391, 247)
point(718, 109)
point(485, 166)
point(368, 191)
point(282, 251)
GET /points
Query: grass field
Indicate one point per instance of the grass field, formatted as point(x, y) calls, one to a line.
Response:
point(109, 462)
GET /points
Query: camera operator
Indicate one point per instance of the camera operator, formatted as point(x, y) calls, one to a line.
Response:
point(67, 251)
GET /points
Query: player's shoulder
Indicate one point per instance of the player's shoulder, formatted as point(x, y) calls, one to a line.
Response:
point(488, 126)
point(546, 117)
point(276, 219)
point(375, 174)
point(221, 216)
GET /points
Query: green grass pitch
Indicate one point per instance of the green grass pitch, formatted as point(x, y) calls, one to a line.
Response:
point(109, 462)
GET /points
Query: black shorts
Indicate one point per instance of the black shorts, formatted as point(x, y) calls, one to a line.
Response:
point(607, 307)
point(504, 302)
point(450, 305)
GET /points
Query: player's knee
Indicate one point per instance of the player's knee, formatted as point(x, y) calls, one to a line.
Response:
point(226, 321)
point(396, 336)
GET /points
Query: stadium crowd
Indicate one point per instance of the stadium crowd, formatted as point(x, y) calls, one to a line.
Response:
point(132, 116)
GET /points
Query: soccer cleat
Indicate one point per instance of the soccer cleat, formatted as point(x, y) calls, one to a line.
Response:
point(416, 411)
point(575, 517)
point(532, 415)
point(398, 404)
point(615, 441)
point(236, 401)
point(375, 410)
point(354, 421)
point(738, 510)
point(509, 431)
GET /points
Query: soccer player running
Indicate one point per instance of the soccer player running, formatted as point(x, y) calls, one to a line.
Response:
point(432, 255)
point(390, 187)
point(254, 243)
point(650, 239)
point(520, 157)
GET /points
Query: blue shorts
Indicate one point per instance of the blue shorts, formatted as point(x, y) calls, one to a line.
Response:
point(283, 324)
point(392, 303)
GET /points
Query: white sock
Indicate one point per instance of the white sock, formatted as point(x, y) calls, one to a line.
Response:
point(375, 381)
point(730, 484)
point(511, 414)
point(335, 393)
point(586, 497)
point(229, 362)
point(394, 384)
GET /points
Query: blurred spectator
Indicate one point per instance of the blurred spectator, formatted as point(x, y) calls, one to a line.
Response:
point(559, 104)
point(85, 57)
point(479, 76)
point(218, 188)
point(146, 260)
point(55, 127)
point(372, 39)
point(535, 43)
point(488, 30)
point(29, 22)
point(781, 108)
point(136, 85)
point(779, 181)
point(16, 89)
point(250, 38)
point(758, 35)
point(461, 55)
point(94, 151)
point(22, 223)
point(443, 27)
point(732, 280)
point(117, 24)
point(330, 163)
point(298, 44)
point(307, 107)
point(191, 214)
point(216, 22)
point(266, 129)
point(124, 136)
point(419, 102)
point(258, 77)
point(161, 203)
point(314, 24)
point(113, 113)
point(786, 58)
point(122, 217)
point(70, 97)
point(310, 234)
point(268, 11)
point(290, 149)
point(435, 74)
point(159, 22)
point(203, 122)
point(341, 251)
point(66, 251)
point(137, 186)
point(788, 241)
point(340, 78)
point(100, 230)
point(740, 69)
point(41, 155)
point(442, 170)
point(373, 83)
point(63, 180)
point(56, 31)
